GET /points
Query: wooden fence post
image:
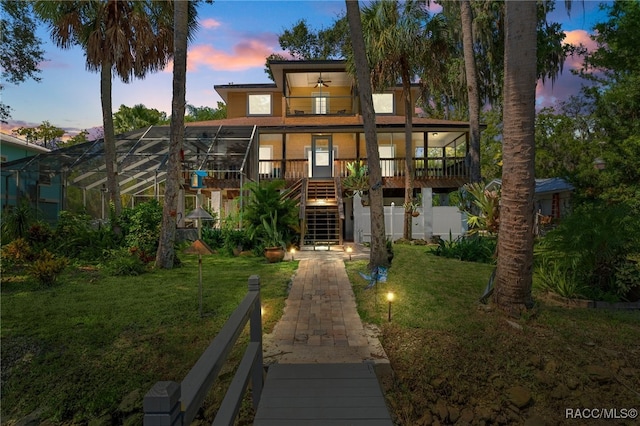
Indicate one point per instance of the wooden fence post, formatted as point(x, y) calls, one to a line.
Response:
point(255, 331)
point(162, 405)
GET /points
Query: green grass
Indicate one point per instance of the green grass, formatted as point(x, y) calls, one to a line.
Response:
point(424, 294)
point(78, 348)
point(446, 349)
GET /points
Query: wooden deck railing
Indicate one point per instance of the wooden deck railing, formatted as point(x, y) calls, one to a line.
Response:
point(169, 403)
point(424, 168)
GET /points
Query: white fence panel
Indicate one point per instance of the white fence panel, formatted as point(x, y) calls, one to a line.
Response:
point(447, 221)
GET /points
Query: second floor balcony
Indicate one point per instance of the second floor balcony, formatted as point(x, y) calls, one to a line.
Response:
point(320, 105)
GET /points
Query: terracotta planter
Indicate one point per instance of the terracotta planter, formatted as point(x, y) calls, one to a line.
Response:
point(274, 254)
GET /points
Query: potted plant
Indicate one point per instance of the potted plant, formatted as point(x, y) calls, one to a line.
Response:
point(272, 239)
point(357, 181)
point(412, 206)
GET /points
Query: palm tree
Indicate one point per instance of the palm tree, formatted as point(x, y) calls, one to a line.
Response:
point(166, 253)
point(137, 117)
point(471, 73)
point(395, 40)
point(130, 38)
point(378, 256)
point(515, 243)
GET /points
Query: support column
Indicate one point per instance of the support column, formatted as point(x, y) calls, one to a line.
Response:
point(427, 209)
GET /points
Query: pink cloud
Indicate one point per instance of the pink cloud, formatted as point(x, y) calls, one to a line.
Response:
point(567, 84)
point(577, 38)
point(210, 23)
point(246, 54)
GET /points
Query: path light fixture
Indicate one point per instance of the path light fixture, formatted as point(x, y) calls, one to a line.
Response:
point(293, 252)
point(349, 251)
point(199, 247)
point(390, 297)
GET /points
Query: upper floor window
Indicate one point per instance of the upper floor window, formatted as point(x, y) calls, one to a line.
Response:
point(260, 104)
point(383, 103)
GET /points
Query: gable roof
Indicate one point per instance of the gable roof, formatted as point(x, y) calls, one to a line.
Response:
point(8, 139)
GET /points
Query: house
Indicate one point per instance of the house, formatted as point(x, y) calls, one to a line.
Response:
point(45, 193)
point(13, 148)
point(310, 128)
point(303, 128)
point(552, 197)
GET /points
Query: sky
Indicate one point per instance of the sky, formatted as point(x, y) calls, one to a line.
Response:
point(231, 46)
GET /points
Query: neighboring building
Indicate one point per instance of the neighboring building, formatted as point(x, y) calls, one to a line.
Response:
point(45, 190)
point(552, 197)
point(304, 128)
point(13, 148)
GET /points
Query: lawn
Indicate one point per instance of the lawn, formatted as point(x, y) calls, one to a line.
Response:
point(75, 351)
point(455, 359)
point(88, 347)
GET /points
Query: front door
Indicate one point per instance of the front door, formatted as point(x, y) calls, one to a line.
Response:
point(321, 157)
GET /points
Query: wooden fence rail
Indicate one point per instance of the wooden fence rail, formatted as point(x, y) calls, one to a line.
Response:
point(169, 403)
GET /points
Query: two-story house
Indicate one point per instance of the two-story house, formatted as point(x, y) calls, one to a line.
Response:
point(310, 128)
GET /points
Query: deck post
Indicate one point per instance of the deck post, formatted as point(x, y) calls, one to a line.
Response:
point(162, 405)
point(255, 332)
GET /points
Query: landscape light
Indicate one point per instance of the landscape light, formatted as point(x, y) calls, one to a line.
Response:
point(390, 297)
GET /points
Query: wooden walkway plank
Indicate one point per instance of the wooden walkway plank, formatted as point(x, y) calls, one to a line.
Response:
point(322, 394)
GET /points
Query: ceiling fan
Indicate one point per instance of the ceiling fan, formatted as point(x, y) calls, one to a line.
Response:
point(322, 83)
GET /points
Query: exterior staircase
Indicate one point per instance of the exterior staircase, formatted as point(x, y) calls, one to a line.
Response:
point(322, 213)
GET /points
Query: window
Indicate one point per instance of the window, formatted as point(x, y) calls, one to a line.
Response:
point(265, 157)
point(383, 103)
point(320, 103)
point(3, 158)
point(44, 177)
point(387, 162)
point(260, 104)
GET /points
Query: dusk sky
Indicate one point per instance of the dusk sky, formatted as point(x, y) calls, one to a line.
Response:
point(233, 41)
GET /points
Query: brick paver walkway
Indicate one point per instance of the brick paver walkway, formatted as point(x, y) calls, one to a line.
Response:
point(320, 321)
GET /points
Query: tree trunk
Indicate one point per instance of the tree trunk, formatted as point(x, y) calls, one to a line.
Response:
point(408, 149)
point(111, 165)
point(378, 255)
point(514, 276)
point(166, 251)
point(471, 73)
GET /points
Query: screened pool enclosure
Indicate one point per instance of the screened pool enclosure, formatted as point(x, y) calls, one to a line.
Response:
point(74, 178)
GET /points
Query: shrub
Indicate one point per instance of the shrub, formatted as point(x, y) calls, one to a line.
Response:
point(214, 237)
point(561, 281)
point(17, 252)
point(141, 226)
point(236, 239)
point(39, 234)
point(627, 277)
point(471, 249)
point(267, 200)
point(123, 262)
point(592, 244)
point(47, 267)
point(76, 237)
point(16, 220)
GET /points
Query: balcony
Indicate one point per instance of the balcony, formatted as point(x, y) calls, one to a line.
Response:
point(433, 171)
point(325, 105)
